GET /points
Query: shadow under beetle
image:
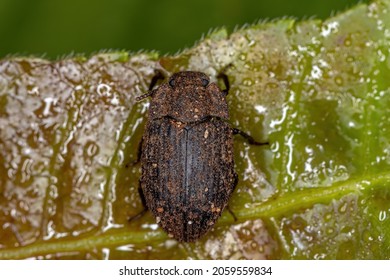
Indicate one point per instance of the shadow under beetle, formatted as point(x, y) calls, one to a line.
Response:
point(186, 154)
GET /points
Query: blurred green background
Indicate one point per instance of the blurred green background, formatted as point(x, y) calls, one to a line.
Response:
point(55, 28)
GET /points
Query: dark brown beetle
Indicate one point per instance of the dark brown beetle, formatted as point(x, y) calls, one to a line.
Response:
point(187, 154)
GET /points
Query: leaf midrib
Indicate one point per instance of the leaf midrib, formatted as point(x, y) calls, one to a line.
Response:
point(277, 206)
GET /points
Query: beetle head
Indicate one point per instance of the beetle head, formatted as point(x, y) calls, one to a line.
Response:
point(188, 96)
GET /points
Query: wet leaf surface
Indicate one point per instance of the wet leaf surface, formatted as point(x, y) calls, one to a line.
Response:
point(317, 91)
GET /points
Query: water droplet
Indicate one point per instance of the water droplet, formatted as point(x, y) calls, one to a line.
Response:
point(115, 100)
point(247, 82)
point(91, 149)
point(382, 216)
point(329, 230)
point(373, 10)
point(347, 42)
point(329, 28)
point(380, 24)
point(367, 236)
point(338, 80)
point(298, 224)
point(252, 43)
point(47, 107)
point(32, 90)
point(319, 256)
point(343, 208)
point(85, 201)
point(316, 72)
point(242, 56)
point(24, 205)
point(272, 85)
point(103, 90)
point(260, 109)
point(381, 55)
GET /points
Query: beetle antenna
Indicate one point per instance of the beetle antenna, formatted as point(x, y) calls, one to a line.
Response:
point(146, 95)
point(157, 76)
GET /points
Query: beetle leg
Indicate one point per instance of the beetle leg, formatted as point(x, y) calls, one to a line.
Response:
point(157, 76)
point(139, 154)
point(248, 137)
point(231, 213)
point(140, 214)
point(225, 80)
point(234, 187)
point(137, 216)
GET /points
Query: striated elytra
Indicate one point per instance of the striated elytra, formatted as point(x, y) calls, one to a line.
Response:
point(187, 154)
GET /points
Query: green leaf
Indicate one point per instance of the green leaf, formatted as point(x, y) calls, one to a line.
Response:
point(317, 91)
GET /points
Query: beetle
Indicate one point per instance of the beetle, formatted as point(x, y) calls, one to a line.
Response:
point(187, 154)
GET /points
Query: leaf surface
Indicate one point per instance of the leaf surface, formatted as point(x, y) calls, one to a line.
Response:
point(317, 91)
